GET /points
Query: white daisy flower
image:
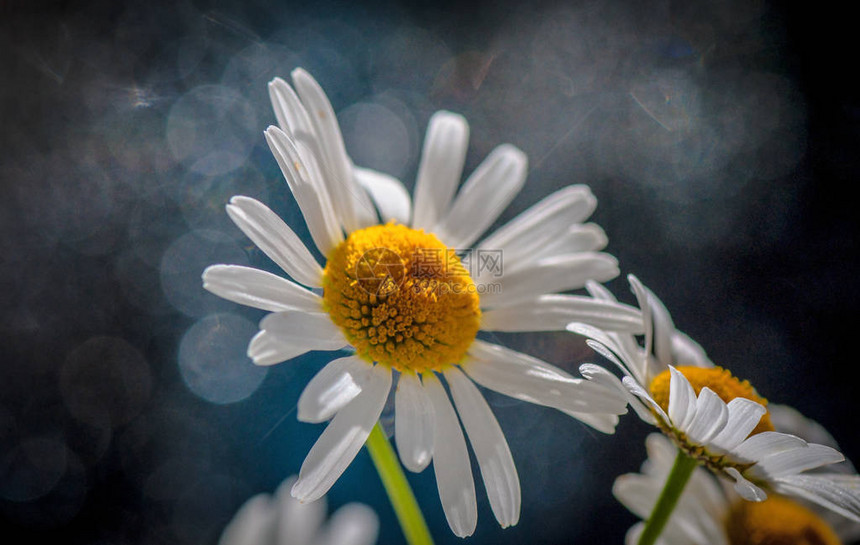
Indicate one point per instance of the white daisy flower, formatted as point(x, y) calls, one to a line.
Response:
point(712, 416)
point(710, 514)
point(280, 519)
point(397, 293)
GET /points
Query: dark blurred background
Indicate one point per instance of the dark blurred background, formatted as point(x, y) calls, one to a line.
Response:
point(719, 137)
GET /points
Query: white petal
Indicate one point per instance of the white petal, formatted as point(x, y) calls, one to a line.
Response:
point(839, 493)
point(766, 443)
point(614, 347)
point(451, 463)
point(640, 392)
point(553, 312)
point(259, 289)
point(549, 275)
point(682, 400)
point(797, 460)
point(664, 329)
point(745, 488)
point(744, 415)
point(254, 522)
point(308, 189)
point(644, 373)
point(711, 417)
point(352, 524)
point(276, 239)
point(343, 438)
point(292, 116)
point(441, 167)
point(414, 422)
point(483, 197)
point(312, 329)
point(332, 388)
point(523, 377)
point(602, 422)
point(574, 239)
point(600, 375)
point(491, 448)
point(298, 523)
point(686, 351)
point(335, 163)
point(389, 195)
point(554, 214)
point(267, 348)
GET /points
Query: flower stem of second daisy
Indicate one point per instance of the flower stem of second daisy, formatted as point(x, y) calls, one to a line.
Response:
point(399, 492)
point(681, 471)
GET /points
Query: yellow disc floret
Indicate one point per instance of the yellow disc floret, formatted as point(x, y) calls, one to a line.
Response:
point(720, 380)
point(777, 521)
point(402, 298)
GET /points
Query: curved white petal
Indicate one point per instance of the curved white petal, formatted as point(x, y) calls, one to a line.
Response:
point(553, 214)
point(491, 448)
point(553, 312)
point(313, 329)
point(441, 167)
point(259, 289)
point(839, 493)
point(335, 163)
point(529, 379)
point(640, 392)
point(542, 244)
point(352, 524)
point(550, 275)
point(414, 422)
point(268, 348)
point(620, 349)
point(744, 415)
point(298, 523)
point(686, 351)
point(796, 460)
point(664, 329)
point(451, 463)
point(600, 375)
point(275, 239)
point(332, 388)
point(682, 400)
point(391, 198)
point(483, 197)
point(766, 443)
point(636, 492)
point(711, 417)
point(745, 488)
point(292, 116)
point(602, 422)
point(254, 522)
point(343, 438)
point(308, 189)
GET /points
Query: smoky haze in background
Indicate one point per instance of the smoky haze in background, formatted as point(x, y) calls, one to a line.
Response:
point(719, 137)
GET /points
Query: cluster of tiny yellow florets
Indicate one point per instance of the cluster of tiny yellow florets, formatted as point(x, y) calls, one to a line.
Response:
point(402, 298)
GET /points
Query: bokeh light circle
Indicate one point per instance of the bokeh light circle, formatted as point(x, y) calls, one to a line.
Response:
point(213, 361)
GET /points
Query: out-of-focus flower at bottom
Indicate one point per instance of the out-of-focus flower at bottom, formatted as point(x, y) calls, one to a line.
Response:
point(709, 513)
point(280, 519)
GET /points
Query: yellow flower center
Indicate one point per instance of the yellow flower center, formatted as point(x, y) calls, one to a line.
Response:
point(402, 298)
point(777, 521)
point(720, 380)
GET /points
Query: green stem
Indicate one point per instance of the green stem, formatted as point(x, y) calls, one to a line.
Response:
point(675, 483)
point(398, 489)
